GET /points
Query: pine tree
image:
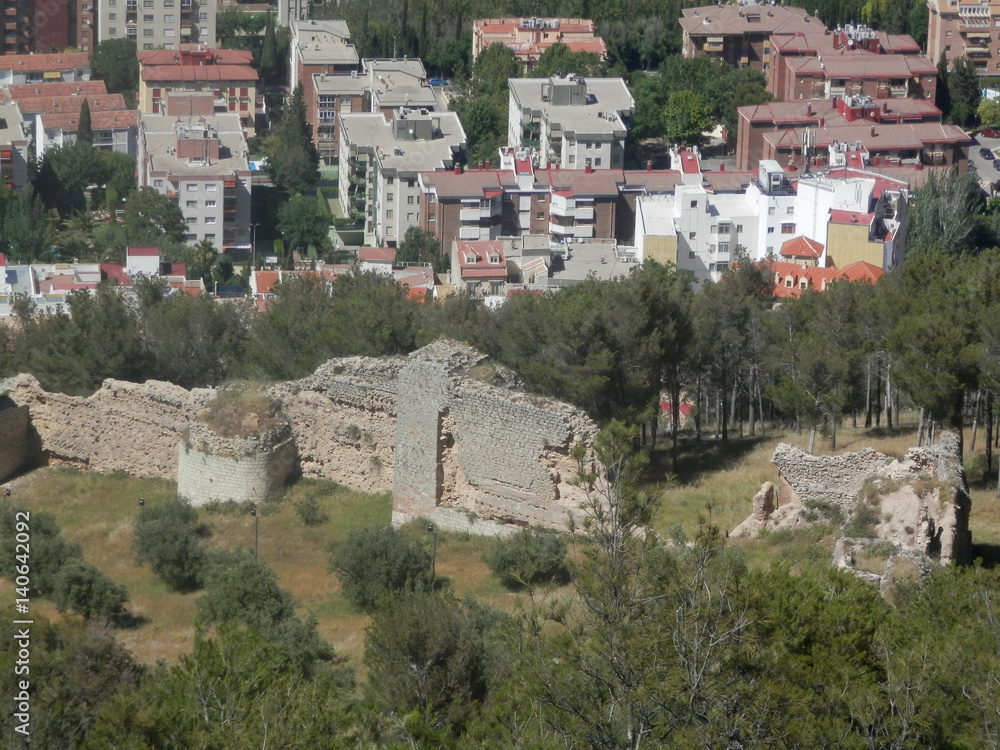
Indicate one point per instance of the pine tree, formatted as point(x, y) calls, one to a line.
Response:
point(83, 131)
point(292, 159)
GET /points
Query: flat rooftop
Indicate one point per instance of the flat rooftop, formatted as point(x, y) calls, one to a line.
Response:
point(585, 258)
point(372, 134)
point(159, 133)
point(721, 20)
point(11, 128)
point(399, 83)
point(607, 101)
point(325, 83)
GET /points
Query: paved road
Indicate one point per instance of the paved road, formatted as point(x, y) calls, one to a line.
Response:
point(987, 173)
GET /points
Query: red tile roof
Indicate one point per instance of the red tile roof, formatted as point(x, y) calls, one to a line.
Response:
point(802, 247)
point(51, 105)
point(481, 268)
point(116, 272)
point(165, 57)
point(689, 162)
point(110, 120)
point(55, 88)
point(43, 63)
point(265, 281)
point(162, 73)
point(377, 254)
point(851, 217)
point(137, 252)
point(862, 271)
point(815, 278)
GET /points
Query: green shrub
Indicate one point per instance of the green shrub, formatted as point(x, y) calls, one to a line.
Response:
point(374, 562)
point(83, 588)
point(170, 540)
point(309, 510)
point(49, 551)
point(529, 557)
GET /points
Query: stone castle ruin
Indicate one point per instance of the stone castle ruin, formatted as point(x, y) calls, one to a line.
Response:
point(448, 433)
point(920, 504)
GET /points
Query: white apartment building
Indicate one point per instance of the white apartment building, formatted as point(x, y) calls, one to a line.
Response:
point(570, 121)
point(852, 215)
point(155, 24)
point(379, 177)
point(202, 164)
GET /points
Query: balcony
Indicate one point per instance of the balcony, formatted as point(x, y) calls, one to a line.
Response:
point(562, 230)
point(976, 51)
point(584, 213)
point(470, 233)
point(469, 214)
point(714, 47)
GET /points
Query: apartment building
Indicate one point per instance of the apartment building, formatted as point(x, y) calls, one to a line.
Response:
point(201, 163)
point(741, 34)
point(112, 130)
point(14, 143)
point(71, 67)
point(570, 121)
point(379, 181)
point(890, 131)
point(965, 29)
point(158, 24)
point(831, 218)
point(34, 26)
point(528, 38)
point(850, 61)
point(320, 47)
point(333, 95)
point(225, 75)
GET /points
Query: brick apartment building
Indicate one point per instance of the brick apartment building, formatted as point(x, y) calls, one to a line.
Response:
point(741, 34)
point(850, 61)
point(965, 29)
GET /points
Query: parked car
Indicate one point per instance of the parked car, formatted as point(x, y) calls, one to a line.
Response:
point(990, 133)
point(986, 154)
point(438, 82)
point(996, 165)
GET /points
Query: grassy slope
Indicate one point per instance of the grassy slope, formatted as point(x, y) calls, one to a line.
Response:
point(98, 511)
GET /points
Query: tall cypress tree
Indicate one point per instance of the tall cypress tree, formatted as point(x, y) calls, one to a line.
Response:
point(292, 160)
point(83, 131)
point(269, 52)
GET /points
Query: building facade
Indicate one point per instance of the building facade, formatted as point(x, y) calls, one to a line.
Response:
point(528, 38)
point(570, 121)
point(965, 29)
point(201, 163)
point(154, 24)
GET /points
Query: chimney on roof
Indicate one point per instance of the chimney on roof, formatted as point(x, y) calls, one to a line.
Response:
point(722, 166)
point(588, 169)
point(809, 109)
point(873, 131)
point(458, 169)
point(649, 166)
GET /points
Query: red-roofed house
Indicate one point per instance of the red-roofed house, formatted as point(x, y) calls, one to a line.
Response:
point(528, 38)
point(791, 279)
point(802, 250)
point(114, 130)
point(478, 267)
point(145, 260)
point(56, 67)
point(377, 260)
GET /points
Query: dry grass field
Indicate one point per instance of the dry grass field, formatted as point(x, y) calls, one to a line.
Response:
point(713, 481)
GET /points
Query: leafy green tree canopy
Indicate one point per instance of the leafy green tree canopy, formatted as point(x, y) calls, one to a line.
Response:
point(373, 563)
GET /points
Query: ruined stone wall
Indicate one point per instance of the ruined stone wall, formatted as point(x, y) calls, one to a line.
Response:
point(836, 479)
point(449, 434)
point(128, 427)
point(16, 449)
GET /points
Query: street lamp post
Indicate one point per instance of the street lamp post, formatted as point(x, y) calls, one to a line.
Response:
point(142, 507)
point(256, 530)
point(430, 530)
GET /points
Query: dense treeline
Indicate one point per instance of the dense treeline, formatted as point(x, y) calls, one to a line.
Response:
point(656, 645)
point(924, 336)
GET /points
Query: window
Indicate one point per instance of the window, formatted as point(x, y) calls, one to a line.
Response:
point(597, 161)
point(388, 180)
point(210, 236)
point(112, 3)
point(388, 214)
point(86, 34)
point(724, 228)
point(690, 253)
point(770, 249)
point(770, 230)
point(112, 16)
point(432, 198)
point(390, 196)
point(410, 200)
point(770, 210)
point(947, 34)
point(588, 145)
point(168, 18)
point(694, 204)
point(147, 3)
point(168, 32)
point(203, 16)
point(130, 33)
point(204, 31)
point(411, 183)
point(191, 220)
point(541, 197)
point(723, 247)
point(692, 235)
point(147, 32)
point(209, 219)
point(168, 3)
point(192, 186)
point(210, 204)
point(192, 204)
point(788, 282)
point(432, 217)
point(157, 183)
point(211, 187)
point(112, 31)
point(540, 216)
point(410, 217)
point(711, 248)
point(791, 210)
point(147, 18)
point(788, 228)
